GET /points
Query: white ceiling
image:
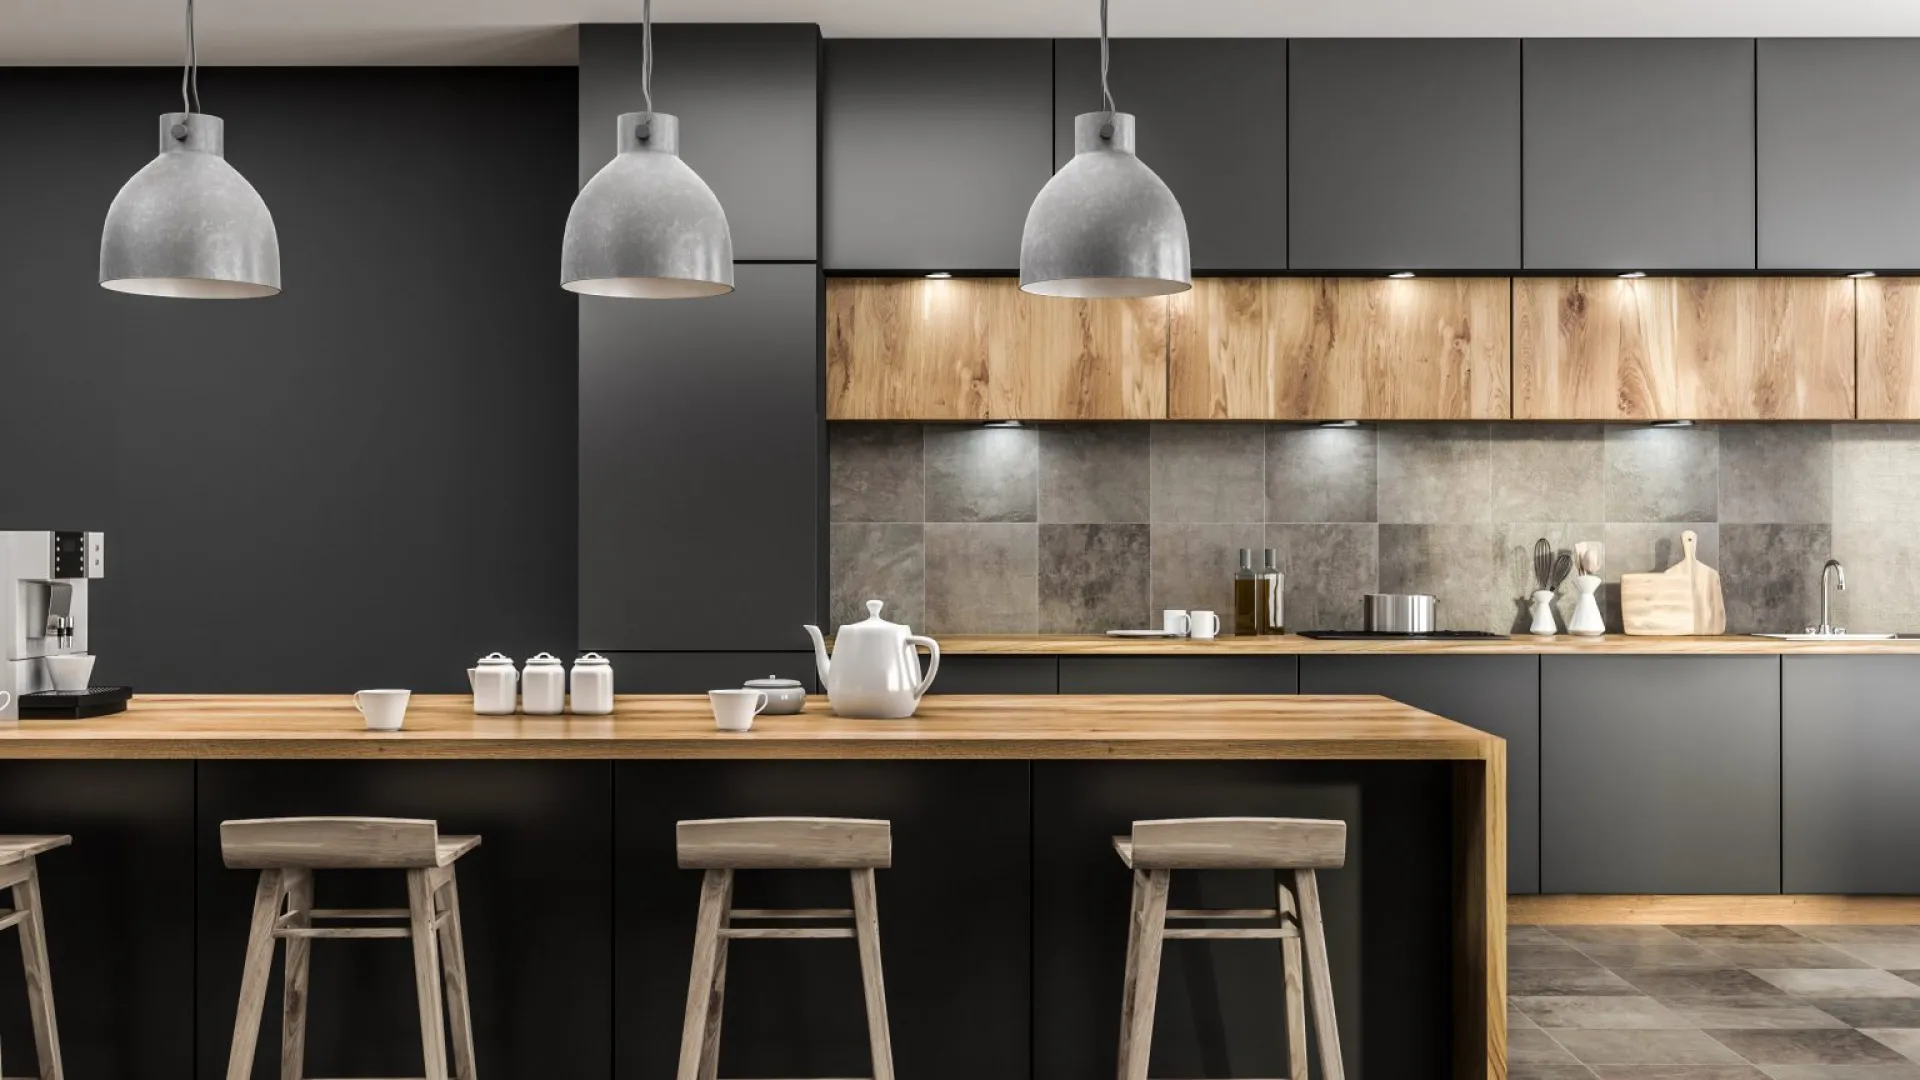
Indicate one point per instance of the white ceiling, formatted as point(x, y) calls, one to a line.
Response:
point(541, 31)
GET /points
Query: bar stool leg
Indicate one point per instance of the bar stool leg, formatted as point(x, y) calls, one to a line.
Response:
point(426, 974)
point(866, 930)
point(293, 999)
point(33, 955)
point(1143, 972)
point(1319, 981)
point(717, 999)
point(1290, 967)
point(453, 965)
point(715, 888)
point(253, 976)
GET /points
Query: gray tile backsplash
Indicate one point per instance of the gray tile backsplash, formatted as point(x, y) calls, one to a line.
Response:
point(1078, 528)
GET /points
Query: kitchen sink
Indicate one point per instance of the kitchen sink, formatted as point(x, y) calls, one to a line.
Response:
point(1803, 636)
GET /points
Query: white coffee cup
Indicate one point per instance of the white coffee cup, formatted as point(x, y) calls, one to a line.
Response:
point(1204, 624)
point(70, 671)
point(734, 710)
point(6, 699)
point(385, 710)
point(1175, 621)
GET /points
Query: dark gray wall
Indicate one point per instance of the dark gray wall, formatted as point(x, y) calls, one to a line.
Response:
point(368, 480)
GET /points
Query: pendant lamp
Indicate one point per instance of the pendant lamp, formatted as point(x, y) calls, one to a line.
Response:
point(188, 224)
point(1105, 225)
point(646, 226)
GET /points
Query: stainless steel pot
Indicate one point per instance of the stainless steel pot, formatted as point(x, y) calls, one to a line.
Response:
point(1398, 613)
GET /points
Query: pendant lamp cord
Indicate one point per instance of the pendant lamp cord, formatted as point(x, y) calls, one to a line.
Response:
point(1105, 93)
point(646, 52)
point(190, 75)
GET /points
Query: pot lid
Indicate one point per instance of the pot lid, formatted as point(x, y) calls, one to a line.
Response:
point(545, 659)
point(592, 659)
point(495, 659)
point(774, 682)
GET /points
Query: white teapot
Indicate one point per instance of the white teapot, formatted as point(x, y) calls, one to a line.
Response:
point(874, 673)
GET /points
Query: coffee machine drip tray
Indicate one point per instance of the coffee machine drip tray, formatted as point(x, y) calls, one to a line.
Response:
point(75, 705)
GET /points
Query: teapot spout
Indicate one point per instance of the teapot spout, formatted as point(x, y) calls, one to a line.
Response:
point(819, 653)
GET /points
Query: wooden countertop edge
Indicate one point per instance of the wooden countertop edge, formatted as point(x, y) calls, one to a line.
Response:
point(1517, 645)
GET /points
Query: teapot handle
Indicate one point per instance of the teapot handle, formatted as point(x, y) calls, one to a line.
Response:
point(933, 661)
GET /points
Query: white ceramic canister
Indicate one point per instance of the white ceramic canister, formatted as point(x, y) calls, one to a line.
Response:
point(494, 680)
point(543, 686)
point(592, 685)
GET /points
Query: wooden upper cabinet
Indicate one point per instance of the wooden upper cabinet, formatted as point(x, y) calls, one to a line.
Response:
point(1888, 317)
point(1683, 349)
point(980, 349)
point(1340, 349)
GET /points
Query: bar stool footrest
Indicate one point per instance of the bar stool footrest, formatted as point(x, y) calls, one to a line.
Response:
point(9, 917)
point(795, 932)
point(1252, 934)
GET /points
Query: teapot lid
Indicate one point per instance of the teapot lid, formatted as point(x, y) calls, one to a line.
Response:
point(773, 682)
point(544, 659)
point(592, 659)
point(495, 659)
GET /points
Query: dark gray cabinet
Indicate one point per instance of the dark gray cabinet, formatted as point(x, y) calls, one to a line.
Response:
point(1660, 774)
point(1850, 744)
point(933, 151)
point(1497, 694)
point(701, 524)
point(1179, 674)
point(997, 675)
point(1403, 154)
point(749, 106)
point(1212, 123)
point(1838, 150)
point(699, 672)
point(1638, 154)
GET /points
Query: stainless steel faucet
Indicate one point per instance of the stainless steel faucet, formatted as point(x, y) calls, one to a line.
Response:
point(1833, 572)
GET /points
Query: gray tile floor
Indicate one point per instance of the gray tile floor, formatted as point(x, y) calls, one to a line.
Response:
point(1714, 1002)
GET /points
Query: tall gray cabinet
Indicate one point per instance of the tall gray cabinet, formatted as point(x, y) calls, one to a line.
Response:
point(1850, 804)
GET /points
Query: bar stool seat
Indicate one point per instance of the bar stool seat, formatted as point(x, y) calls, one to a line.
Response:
point(287, 851)
point(1292, 849)
point(721, 846)
point(20, 872)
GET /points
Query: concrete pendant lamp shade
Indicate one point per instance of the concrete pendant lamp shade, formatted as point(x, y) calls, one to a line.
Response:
point(1105, 225)
point(646, 225)
point(188, 224)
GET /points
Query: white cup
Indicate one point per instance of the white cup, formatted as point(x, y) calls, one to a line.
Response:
point(6, 699)
point(1175, 621)
point(385, 710)
point(1204, 624)
point(70, 671)
point(734, 710)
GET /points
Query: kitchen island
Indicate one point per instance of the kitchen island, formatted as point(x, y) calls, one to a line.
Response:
point(1004, 913)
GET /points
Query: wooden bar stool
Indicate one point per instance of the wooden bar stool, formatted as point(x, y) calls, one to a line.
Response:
point(1292, 849)
point(287, 851)
point(722, 845)
point(20, 872)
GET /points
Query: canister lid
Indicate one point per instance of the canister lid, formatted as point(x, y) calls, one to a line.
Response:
point(544, 659)
point(592, 659)
point(495, 659)
point(774, 682)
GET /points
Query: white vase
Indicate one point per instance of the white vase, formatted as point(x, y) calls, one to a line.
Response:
point(1543, 621)
point(1586, 620)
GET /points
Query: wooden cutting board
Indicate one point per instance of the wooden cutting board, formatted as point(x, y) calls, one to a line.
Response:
point(1684, 599)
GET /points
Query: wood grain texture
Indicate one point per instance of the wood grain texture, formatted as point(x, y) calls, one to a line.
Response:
point(344, 843)
point(1675, 910)
point(1773, 348)
point(1887, 326)
point(1313, 932)
point(38, 973)
point(980, 349)
point(1292, 966)
point(1340, 349)
point(1021, 727)
point(1517, 645)
point(1235, 844)
point(1480, 916)
point(873, 983)
point(783, 843)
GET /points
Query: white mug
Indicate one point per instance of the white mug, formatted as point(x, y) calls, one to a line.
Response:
point(6, 699)
point(1204, 624)
point(385, 710)
point(1175, 621)
point(734, 710)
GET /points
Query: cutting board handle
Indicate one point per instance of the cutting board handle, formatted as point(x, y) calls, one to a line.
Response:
point(1690, 543)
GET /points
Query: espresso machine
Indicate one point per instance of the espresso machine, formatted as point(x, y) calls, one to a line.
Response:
point(47, 574)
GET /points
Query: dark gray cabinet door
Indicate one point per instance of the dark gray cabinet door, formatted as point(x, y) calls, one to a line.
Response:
point(1403, 154)
point(1179, 674)
point(934, 150)
point(748, 99)
point(1838, 150)
point(700, 442)
point(1212, 122)
point(1638, 154)
point(1850, 745)
point(1497, 694)
point(1660, 774)
point(997, 675)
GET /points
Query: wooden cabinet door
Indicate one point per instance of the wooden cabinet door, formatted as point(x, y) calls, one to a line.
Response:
point(980, 349)
point(1683, 349)
point(1887, 315)
point(1340, 349)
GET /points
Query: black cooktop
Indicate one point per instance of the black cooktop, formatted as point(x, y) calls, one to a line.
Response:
point(1387, 635)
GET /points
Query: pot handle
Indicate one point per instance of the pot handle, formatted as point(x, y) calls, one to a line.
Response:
point(933, 662)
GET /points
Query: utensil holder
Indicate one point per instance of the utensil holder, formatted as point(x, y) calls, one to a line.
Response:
point(1586, 620)
point(1544, 624)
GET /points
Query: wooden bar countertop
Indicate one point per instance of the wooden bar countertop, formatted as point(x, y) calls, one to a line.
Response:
point(641, 726)
point(1518, 644)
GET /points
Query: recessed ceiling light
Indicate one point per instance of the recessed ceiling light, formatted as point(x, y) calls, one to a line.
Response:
point(1342, 423)
point(1862, 274)
point(1633, 275)
point(1004, 424)
point(1401, 275)
point(940, 275)
point(1673, 423)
